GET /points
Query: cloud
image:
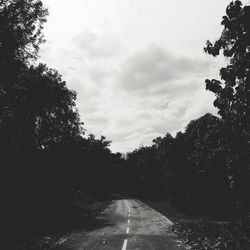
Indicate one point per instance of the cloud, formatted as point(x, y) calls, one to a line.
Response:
point(155, 71)
point(97, 74)
point(101, 121)
point(96, 46)
point(129, 90)
point(138, 97)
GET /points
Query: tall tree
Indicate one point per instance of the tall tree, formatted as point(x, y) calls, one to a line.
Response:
point(38, 115)
point(232, 93)
point(21, 24)
point(233, 90)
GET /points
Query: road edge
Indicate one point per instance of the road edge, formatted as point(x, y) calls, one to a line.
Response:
point(161, 215)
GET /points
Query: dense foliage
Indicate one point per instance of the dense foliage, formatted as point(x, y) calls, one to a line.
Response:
point(45, 158)
point(233, 94)
point(188, 169)
point(206, 167)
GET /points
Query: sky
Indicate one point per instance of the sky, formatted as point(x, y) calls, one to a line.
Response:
point(138, 66)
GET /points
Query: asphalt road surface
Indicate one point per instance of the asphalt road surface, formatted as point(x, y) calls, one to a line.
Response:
point(125, 224)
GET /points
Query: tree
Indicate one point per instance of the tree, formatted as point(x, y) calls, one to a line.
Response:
point(206, 161)
point(165, 150)
point(21, 24)
point(233, 92)
point(39, 120)
point(21, 28)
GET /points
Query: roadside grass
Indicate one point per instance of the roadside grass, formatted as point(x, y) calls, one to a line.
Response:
point(216, 236)
point(203, 233)
point(84, 211)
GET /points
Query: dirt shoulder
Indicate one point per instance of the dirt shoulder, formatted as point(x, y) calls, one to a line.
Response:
point(201, 233)
point(83, 217)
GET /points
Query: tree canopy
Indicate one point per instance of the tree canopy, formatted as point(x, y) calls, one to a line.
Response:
point(44, 154)
point(233, 91)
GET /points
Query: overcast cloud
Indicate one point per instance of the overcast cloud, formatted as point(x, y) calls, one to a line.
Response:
point(138, 65)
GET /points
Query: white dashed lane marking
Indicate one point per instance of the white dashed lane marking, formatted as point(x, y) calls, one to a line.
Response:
point(125, 243)
point(124, 246)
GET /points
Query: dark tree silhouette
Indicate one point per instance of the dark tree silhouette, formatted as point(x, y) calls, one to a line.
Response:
point(233, 92)
point(38, 118)
point(189, 169)
point(21, 24)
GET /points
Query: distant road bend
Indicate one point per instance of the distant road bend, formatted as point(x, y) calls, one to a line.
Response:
point(127, 224)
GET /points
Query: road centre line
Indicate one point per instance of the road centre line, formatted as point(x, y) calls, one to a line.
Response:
point(127, 230)
point(124, 246)
point(128, 221)
point(127, 205)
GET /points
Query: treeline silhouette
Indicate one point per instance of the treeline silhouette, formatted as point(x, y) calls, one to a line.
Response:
point(206, 168)
point(45, 157)
point(190, 169)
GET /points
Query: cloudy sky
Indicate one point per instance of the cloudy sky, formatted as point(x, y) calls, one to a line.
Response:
point(138, 65)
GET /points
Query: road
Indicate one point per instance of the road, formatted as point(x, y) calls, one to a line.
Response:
point(127, 224)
